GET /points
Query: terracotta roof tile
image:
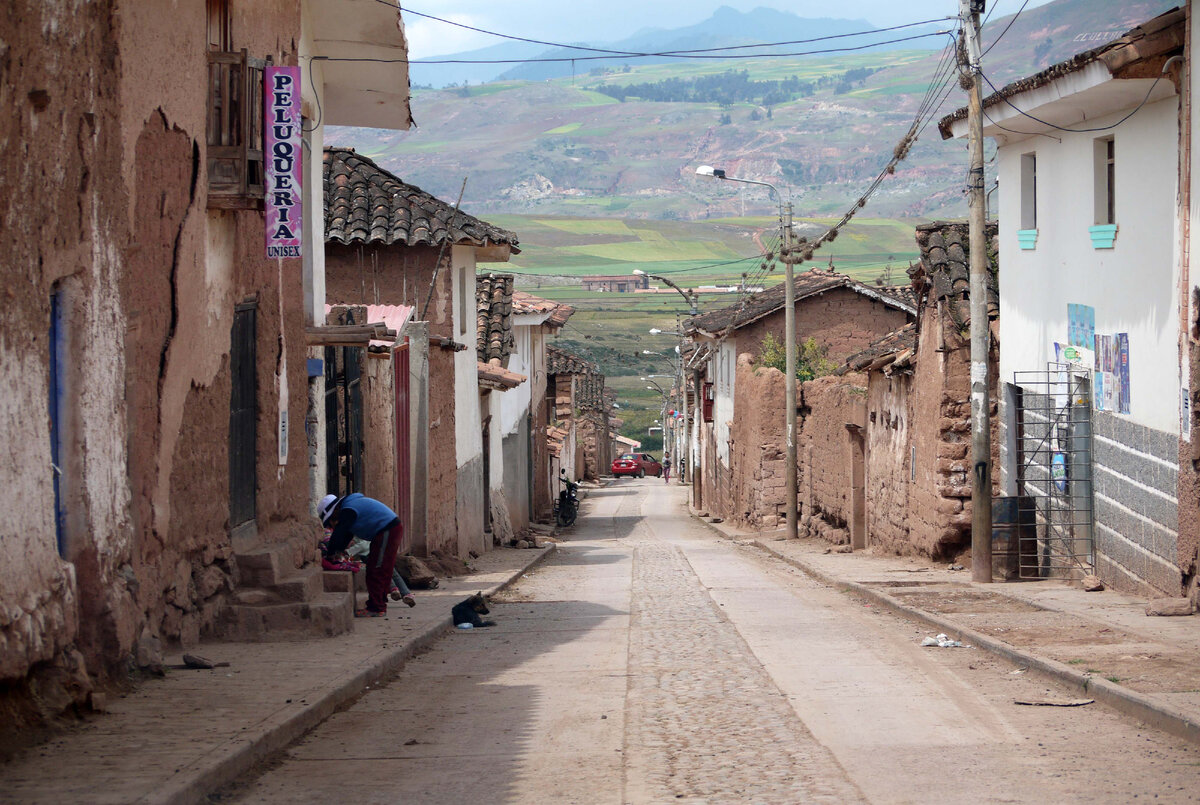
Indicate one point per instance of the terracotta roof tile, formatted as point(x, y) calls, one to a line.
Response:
point(494, 339)
point(883, 351)
point(944, 270)
point(366, 204)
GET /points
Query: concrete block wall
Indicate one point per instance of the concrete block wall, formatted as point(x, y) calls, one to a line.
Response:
point(1135, 478)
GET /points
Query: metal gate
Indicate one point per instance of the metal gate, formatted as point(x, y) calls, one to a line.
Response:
point(1054, 471)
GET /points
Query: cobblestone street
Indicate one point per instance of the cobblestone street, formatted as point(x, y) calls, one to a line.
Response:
point(650, 660)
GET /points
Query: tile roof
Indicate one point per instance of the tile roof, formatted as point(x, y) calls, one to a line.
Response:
point(497, 378)
point(1154, 38)
point(561, 362)
point(528, 304)
point(494, 339)
point(944, 270)
point(896, 347)
point(808, 283)
point(366, 204)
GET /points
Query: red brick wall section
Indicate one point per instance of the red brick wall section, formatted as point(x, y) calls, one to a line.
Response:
point(401, 275)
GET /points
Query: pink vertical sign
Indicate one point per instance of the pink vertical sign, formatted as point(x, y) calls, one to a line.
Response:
point(281, 130)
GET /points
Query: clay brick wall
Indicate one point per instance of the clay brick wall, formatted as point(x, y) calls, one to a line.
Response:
point(402, 276)
point(842, 320)
point(823, 450)
point(758, 448)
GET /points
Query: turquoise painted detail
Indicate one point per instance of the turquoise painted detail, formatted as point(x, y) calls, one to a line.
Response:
point(1027, 238)
point(1103, 235)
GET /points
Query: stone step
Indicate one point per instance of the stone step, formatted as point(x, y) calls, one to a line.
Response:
point(305, 584)
point(264, 565)
point(343, 581)
point(326, 615)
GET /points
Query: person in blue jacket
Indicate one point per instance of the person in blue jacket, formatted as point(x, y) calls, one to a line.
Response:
point(357, 515)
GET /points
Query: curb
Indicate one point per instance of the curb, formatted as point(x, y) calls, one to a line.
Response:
point(1144, 708)
point(277, 737)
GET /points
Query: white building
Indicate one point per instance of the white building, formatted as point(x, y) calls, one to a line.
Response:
point(1088, 165)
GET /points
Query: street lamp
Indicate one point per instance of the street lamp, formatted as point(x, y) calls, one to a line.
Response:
point(789, 329)
point(691, 297)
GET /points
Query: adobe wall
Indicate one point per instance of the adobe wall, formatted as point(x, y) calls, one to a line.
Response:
point(827, 404)
point(543, 494)
point(758, 448)
point(840, 319)
point(379, 458)
point(62, 224)
point(888, 438)
point(940, 497)
point(401, 275)
point(1189, 464)
point(185, 271)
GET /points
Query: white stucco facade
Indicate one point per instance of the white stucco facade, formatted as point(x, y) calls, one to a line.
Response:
point(725, 364)
point(1131, 286)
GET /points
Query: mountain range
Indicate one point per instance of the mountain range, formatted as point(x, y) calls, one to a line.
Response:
point(623, 138)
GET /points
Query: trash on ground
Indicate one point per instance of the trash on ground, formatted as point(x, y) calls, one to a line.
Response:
point(943, 641)
point(957, 567)
point(466, 626)
point(1054, 702)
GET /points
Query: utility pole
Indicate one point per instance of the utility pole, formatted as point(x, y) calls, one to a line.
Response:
point(981, 446)
point(789, 363)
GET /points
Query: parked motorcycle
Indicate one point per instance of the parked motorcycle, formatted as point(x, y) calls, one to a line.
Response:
point(566, 508)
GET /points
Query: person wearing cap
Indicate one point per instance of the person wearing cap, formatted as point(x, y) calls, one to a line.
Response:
point(357, 515)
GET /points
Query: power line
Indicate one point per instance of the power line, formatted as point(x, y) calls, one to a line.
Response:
point(637, 54)
point(1136, 109)
point(1006, 27)
point(560, 59)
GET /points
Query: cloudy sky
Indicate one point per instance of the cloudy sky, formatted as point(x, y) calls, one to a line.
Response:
point(608, 20)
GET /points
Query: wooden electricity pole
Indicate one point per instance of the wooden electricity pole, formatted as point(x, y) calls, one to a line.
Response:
point(981, 442)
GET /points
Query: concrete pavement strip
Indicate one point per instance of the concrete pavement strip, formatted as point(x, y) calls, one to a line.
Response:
point(1148, 709)
point(240, 743)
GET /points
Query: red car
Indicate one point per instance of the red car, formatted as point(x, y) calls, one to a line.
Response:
point(637, 464)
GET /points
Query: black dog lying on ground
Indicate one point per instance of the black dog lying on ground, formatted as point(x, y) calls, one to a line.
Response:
point(469, 611)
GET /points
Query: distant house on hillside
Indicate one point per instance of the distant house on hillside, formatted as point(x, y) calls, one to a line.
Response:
point(621, 283)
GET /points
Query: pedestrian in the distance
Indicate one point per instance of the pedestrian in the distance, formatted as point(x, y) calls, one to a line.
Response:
point(666, 467)
point(357, 515)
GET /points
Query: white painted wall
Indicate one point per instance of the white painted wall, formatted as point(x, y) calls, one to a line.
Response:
point(1132, 286)
point(468, 426)
point(725, 360)
point(514, 403)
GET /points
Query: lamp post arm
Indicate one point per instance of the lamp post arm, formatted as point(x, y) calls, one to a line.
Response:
point(774, 189)
point(689, 296)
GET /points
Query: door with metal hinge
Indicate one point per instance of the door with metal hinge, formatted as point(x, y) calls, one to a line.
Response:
point(243, 416)
point(1054, 472)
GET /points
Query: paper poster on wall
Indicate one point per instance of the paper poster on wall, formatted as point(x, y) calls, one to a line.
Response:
point(1081, 325)
point(1111, 379)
